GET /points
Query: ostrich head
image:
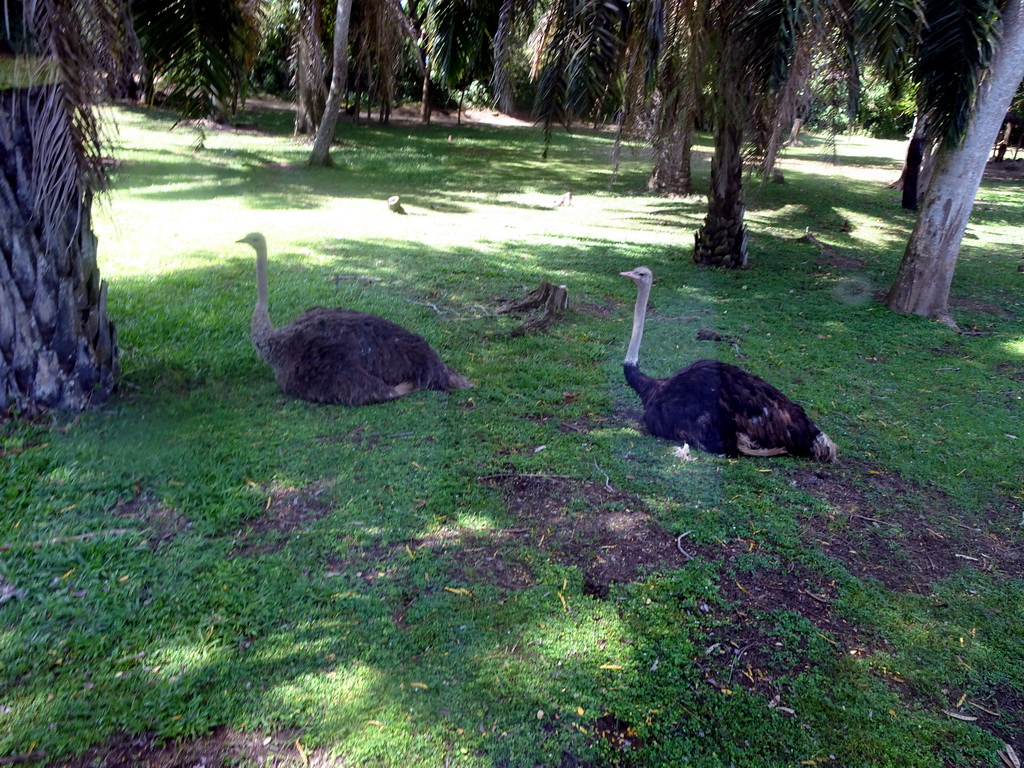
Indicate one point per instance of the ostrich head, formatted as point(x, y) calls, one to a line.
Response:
point(255, 239)
point(642, 276)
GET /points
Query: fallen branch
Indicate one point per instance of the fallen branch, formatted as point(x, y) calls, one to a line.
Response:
point(679, 545)
point(813, 596)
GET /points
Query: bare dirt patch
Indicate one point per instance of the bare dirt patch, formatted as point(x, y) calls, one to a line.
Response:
point(608, 534)
point(287, 511)
point(742, 652)
point(906, 536)
point(1005, 170)
point(161, 523)
point(224, 746)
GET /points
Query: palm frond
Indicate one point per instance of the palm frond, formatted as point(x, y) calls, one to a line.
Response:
point(956, 47)
point(582, 59)
point(890, 32)
point(196, 49)
point(59, 71)
point(514, 20)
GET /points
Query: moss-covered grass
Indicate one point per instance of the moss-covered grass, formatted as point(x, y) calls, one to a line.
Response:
point(414, 583)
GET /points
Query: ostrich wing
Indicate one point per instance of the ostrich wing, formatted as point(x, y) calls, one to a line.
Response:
point(344, 356)
point(713, 405)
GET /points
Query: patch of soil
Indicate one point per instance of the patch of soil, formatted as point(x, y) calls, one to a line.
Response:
point(618, 733)
point(902, 534)
point(840, 262)
point(287, 511)
point(972, 305)
point(1005, 170)
point(742, 652)
point(608, 534)
point(602, 311)
point(224, 746)
point(162, 523)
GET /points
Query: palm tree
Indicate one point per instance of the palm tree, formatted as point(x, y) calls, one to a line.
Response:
point(58, 60)
point(733, 56)
point(58, 347)
point(753, 47)
point(968, 83)
point(309, 67)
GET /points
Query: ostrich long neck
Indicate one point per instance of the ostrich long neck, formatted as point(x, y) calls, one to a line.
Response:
point(261, 328)
point(639, 312)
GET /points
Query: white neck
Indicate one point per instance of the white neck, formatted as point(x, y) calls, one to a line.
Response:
point(261, 327)
point(643, 292)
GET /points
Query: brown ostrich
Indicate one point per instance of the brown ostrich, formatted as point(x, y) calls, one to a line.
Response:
point(718, 407)
point(340, 356)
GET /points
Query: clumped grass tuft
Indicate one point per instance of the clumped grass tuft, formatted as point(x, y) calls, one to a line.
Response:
point(496, 576)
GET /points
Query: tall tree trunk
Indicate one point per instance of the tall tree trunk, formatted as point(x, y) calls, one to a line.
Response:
point(425, 107)
point(310, 70)
point(321, 154)
point(926, 272)
point(911, 180)
point(673, 150)
point(722, 240)
point(58, 348)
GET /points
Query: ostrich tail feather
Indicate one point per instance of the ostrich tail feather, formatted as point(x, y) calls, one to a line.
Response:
point(456, 380)
point(824, 449)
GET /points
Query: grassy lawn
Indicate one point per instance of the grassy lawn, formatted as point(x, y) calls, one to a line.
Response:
point(515, 575)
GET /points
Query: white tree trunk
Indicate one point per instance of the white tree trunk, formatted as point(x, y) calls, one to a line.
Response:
point(926, 272)
point(320, 155)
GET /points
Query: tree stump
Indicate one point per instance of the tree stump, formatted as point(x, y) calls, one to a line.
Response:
point(554, 299)
point(395, 204)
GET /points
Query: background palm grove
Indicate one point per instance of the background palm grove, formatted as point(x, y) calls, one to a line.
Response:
point(198, 570)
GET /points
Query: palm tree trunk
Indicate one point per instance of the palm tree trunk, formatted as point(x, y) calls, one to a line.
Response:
point(926, 272)
point(320, 156)
point(58, 348)
point(310, 70)
point(673, 150)
point(722, 241)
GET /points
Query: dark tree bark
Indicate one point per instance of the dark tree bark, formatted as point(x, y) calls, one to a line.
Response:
point(722, 241)
point(673, 150)
point(58, 348)
point(310, 70)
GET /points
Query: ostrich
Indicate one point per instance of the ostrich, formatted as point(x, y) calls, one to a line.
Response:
point(340, 356)
point(716, 406)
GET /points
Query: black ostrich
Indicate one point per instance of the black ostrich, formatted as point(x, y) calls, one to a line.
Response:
point(718, 407)
point(340, 356)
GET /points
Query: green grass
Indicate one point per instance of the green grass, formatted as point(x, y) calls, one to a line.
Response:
point(155, 596)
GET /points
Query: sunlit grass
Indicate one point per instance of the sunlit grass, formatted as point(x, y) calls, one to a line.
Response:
point(358, 629)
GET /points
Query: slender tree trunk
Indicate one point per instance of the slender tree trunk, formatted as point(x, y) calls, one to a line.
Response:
point(673, 151)
point(321, 154)
point(926, 272)
point(425, 107)
point(58, 348)
point(911, 179)
point(310, 70)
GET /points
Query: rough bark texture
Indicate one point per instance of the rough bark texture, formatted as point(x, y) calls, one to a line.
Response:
point(673, 148)
point(722, 240)
point(926, 272)
point(310, 70)
point(320, 156)
point(58, 348)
